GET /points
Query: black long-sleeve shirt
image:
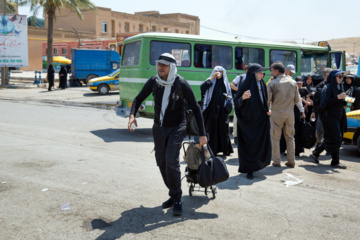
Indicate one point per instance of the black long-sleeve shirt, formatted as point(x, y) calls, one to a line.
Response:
point(175, 113)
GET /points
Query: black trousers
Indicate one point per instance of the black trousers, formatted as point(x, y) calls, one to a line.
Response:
point(168, 142)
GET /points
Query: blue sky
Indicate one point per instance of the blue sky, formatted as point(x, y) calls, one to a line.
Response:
point(279, 20)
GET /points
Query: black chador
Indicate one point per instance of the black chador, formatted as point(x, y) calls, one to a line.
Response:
point(254, 142)
point(215, 113)
point(333, 116)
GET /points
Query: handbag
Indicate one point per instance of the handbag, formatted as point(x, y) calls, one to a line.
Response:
point(212, 171)
point(307, 134)
point(228, 106)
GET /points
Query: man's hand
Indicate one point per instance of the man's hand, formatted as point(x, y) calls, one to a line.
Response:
point(132, 120)
point(269, 113)
point(303, 115)
point(202, 140)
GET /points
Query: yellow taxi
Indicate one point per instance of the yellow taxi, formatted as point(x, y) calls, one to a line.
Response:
point(105, 84)
point(352, 136)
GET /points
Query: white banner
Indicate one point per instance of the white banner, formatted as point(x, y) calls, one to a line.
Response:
point(13, 41)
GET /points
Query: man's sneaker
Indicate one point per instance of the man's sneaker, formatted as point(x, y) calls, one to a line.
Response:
point(177, 209)
point(168, 203)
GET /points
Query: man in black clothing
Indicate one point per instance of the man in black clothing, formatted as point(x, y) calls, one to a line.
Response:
point(170, 91)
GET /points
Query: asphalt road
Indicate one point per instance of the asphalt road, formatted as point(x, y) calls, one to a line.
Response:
point(52, 154)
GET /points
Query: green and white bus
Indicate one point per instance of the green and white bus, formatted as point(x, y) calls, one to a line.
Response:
point(196, 56)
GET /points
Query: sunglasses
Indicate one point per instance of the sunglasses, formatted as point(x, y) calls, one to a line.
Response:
point(340, 76)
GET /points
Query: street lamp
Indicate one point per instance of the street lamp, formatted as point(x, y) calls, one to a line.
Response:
point(76, 32)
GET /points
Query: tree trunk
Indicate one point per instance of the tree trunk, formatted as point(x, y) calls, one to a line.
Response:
point(50, 52)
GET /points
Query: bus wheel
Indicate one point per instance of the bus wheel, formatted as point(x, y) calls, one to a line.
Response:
point(91, 76)
point(358, 144)
point(103, 89)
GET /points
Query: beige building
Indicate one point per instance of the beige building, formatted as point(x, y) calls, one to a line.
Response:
point(104, 24)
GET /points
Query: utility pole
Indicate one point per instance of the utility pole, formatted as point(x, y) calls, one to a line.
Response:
point(4, 70)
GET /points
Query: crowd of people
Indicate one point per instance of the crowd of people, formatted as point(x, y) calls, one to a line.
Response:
point(264, 115)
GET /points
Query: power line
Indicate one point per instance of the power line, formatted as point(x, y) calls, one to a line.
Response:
point(244, 36)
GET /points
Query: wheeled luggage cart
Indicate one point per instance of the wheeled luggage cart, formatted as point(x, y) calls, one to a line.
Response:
point(192, 177)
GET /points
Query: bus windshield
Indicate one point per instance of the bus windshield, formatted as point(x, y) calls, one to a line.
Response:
point(313, 63)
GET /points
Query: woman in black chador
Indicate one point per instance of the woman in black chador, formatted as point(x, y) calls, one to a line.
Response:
point(51, 76)
point(333, 118)
point(254, 142)
point(216, 107)
point(63, 77)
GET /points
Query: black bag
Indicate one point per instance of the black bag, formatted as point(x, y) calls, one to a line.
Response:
point(307, 134)
point(212, 171)
point(228, 106)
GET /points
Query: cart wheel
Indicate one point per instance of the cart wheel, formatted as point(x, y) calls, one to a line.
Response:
point(214, 191)
point(206, 191)
point(191, 190)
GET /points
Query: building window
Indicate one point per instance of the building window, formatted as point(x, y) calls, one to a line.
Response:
point(187, 32)
point(64, 51)
point(166, 29)
point(127, 27)
point(153, 28)
point(104, 27)
point(176, 30)
point(141, 28)
point(56, 51)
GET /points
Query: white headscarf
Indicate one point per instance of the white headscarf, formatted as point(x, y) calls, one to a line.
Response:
point(167, 85)
point(208, 93)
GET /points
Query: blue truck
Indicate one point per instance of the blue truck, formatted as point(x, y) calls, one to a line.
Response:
point(89, 63)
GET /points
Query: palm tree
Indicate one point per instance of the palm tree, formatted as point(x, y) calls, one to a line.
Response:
point(50, 7)
point(11, 7)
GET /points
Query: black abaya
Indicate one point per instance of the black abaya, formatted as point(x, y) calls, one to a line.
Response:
point(333, 116)
point(254, 142)
point(216, 120)
point(63, 78)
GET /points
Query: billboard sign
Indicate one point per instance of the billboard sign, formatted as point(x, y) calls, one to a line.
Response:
point(13, 41)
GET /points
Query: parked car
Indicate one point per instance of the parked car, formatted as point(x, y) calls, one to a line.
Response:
point(106, 83)
point(352, 136)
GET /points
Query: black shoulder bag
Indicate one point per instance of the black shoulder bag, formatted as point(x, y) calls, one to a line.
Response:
point(212, 171)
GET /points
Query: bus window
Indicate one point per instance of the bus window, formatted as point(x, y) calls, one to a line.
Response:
point(336, 60)
point(209, 56)
point(181, 52)
point(286, 57)
point(244, 55)
point(313, 63)
point(131, 54)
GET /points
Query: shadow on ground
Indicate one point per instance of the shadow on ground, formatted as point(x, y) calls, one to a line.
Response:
point(145, 219)
point(124, 135)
